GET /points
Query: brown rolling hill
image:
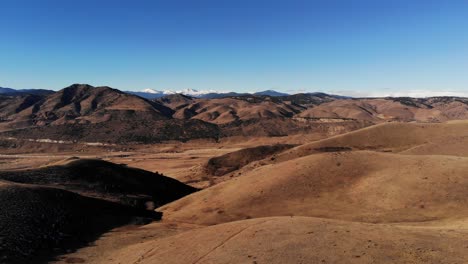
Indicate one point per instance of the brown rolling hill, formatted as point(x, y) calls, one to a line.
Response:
point(226, 110)
point(302, 240)
point(81, 103)
point(403, 138)
point(360, 186)
point(265, 116)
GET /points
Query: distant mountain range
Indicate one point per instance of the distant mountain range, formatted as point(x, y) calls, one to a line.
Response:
point(207, 94)
point(11, 91)
point(154, 94)
point(85, 113)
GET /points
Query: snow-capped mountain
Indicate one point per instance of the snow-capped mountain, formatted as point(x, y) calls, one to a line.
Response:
point(209, 94)
point(196, 93)
point(151, 93)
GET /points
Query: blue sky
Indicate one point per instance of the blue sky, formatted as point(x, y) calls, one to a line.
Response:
point(362, 47)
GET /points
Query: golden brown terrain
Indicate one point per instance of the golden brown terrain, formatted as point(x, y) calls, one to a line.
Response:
point(389, 193)
point(97, 175)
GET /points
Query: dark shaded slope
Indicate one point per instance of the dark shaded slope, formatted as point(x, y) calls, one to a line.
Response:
point(10, 108)
point(106, 180)
point(11, 105)
point(49, 210)
point(37, 222)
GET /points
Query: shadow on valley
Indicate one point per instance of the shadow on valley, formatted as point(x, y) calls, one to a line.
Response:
point(56, 209)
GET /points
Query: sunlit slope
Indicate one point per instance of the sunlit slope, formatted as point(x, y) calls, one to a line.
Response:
point(360, 186)
point(302, 240)
point(411, 138)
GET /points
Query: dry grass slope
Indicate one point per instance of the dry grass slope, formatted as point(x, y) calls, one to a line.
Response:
point(359, 186)
point(411, 138)
point(302, 240)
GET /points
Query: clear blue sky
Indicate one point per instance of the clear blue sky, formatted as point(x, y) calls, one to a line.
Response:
point(241, 45)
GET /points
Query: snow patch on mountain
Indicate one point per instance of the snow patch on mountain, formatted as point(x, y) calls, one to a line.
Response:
point(188, 91)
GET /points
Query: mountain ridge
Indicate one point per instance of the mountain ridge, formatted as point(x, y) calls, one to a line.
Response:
point(84, 112)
